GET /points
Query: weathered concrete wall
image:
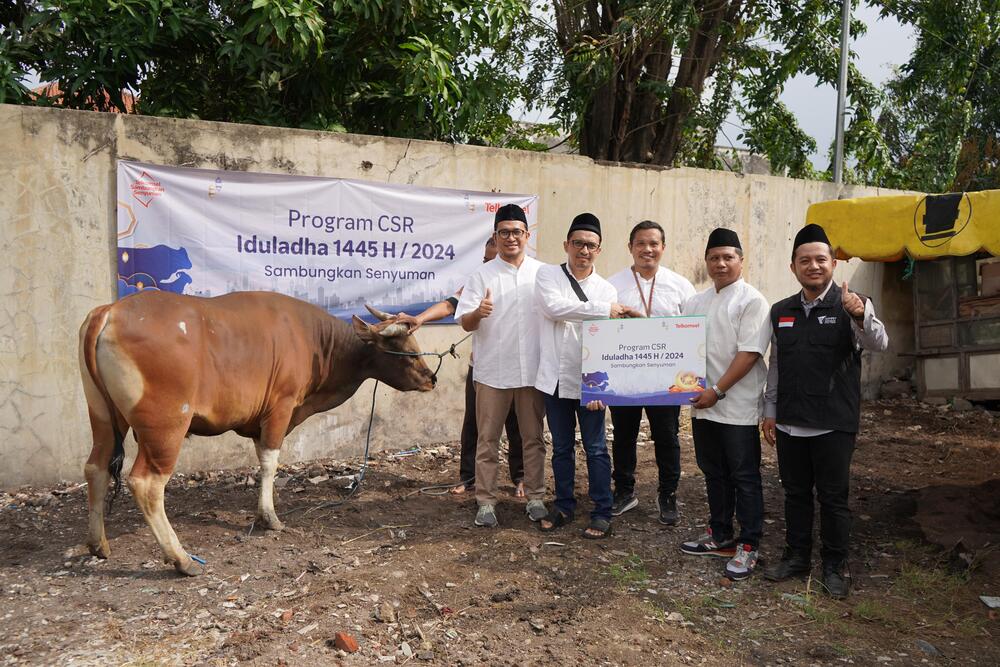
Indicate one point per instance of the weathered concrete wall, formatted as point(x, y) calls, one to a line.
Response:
point(57, 181)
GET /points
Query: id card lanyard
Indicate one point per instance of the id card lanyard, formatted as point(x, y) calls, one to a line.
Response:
point(647, 305)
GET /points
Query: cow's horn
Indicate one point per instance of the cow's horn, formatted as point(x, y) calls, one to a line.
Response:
point(378, 313)
point(395, 330)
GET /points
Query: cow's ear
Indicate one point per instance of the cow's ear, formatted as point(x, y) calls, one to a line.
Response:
point(363, 329)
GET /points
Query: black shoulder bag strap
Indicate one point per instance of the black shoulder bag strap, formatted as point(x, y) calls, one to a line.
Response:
point(575, 285)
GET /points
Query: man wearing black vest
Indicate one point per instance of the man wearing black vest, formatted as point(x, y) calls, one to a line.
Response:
point(812, 405)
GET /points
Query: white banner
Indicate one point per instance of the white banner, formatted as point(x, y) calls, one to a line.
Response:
point(335, 242)
point(648, 361)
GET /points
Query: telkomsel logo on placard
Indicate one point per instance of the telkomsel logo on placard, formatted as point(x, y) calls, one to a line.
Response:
point(145, 189)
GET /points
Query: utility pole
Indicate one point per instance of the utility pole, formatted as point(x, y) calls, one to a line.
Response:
point(838, 151)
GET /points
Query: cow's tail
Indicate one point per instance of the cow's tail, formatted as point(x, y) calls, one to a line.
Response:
point(93, 328)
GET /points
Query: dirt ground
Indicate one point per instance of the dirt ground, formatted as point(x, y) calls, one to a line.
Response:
point(410, 578)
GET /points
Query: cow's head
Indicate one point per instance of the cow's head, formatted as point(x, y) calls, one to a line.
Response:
point(397, 361)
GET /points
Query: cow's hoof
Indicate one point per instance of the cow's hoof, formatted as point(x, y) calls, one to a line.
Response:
point(101, 550)
point(269, 524)
point(190, 567)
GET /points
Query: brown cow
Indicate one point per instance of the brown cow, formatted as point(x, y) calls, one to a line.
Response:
point(258, 363)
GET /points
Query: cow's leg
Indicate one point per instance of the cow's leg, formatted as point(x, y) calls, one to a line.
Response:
point(98, 478)
point(150, 473)
point(266, 516)
point(272, 434)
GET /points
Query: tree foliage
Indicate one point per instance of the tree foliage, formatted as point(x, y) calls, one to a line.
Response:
point(655, 82)
point(647, 81)
point(430, 69)
point(941, 121)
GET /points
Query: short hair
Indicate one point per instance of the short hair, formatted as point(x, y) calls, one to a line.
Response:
point(829, 249)
point(647, 224)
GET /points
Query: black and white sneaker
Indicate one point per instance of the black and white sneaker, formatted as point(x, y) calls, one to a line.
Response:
point(706, 545)
point(623, 502)
point(667, 506)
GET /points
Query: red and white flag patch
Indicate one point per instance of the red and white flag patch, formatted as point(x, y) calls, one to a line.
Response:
point(786, 322)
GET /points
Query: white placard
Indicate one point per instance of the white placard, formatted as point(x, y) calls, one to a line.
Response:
point(649, 361)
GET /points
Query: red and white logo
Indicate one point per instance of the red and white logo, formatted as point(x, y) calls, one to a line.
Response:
point(145, 189)
point(786, 322)
point(494, 206)
point(593, 329)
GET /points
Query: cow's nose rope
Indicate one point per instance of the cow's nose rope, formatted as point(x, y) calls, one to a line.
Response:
point(439, 355)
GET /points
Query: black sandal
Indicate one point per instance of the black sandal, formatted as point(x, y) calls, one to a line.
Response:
point(602, 526)
point(557, 520)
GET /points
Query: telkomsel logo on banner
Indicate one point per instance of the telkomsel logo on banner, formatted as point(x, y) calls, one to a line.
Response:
point(145, 189)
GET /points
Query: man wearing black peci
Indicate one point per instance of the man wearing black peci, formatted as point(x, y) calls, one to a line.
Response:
point(812, 405)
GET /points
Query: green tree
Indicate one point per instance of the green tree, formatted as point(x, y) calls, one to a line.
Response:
point(941, 119)
point(425, 68)
point(654, 81)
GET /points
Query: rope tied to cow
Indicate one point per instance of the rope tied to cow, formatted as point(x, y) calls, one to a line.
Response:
point(439, 355)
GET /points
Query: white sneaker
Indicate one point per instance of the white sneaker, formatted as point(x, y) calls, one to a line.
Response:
point(742, 564)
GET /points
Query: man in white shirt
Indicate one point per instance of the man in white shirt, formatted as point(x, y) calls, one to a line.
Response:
point(567, 295)
point(654, 291)
point(498, 303)
point(470, 432)
point(726, 415)
point(814, 413)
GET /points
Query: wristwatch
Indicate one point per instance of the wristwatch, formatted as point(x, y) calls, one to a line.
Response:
point(718, 392)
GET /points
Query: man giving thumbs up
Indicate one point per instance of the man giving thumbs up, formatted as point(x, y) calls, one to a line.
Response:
point(813, 413)
point(498, 303)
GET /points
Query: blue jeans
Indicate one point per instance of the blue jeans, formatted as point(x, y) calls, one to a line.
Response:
point(563, 415)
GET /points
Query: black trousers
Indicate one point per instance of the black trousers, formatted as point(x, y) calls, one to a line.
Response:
point(470, 434)
point(729, 456)
point(823, 463)
point(663, 425)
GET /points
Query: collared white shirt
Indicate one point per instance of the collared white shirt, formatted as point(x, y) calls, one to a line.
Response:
point(869, 335)
point(505, 346)
point(733, 317)
point(670, 291)
point(562, 312)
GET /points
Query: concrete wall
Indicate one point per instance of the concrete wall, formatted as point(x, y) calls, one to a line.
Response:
point(57, 197)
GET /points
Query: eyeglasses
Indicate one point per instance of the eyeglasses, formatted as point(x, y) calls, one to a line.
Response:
point(511, 233)
point(589, 245)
